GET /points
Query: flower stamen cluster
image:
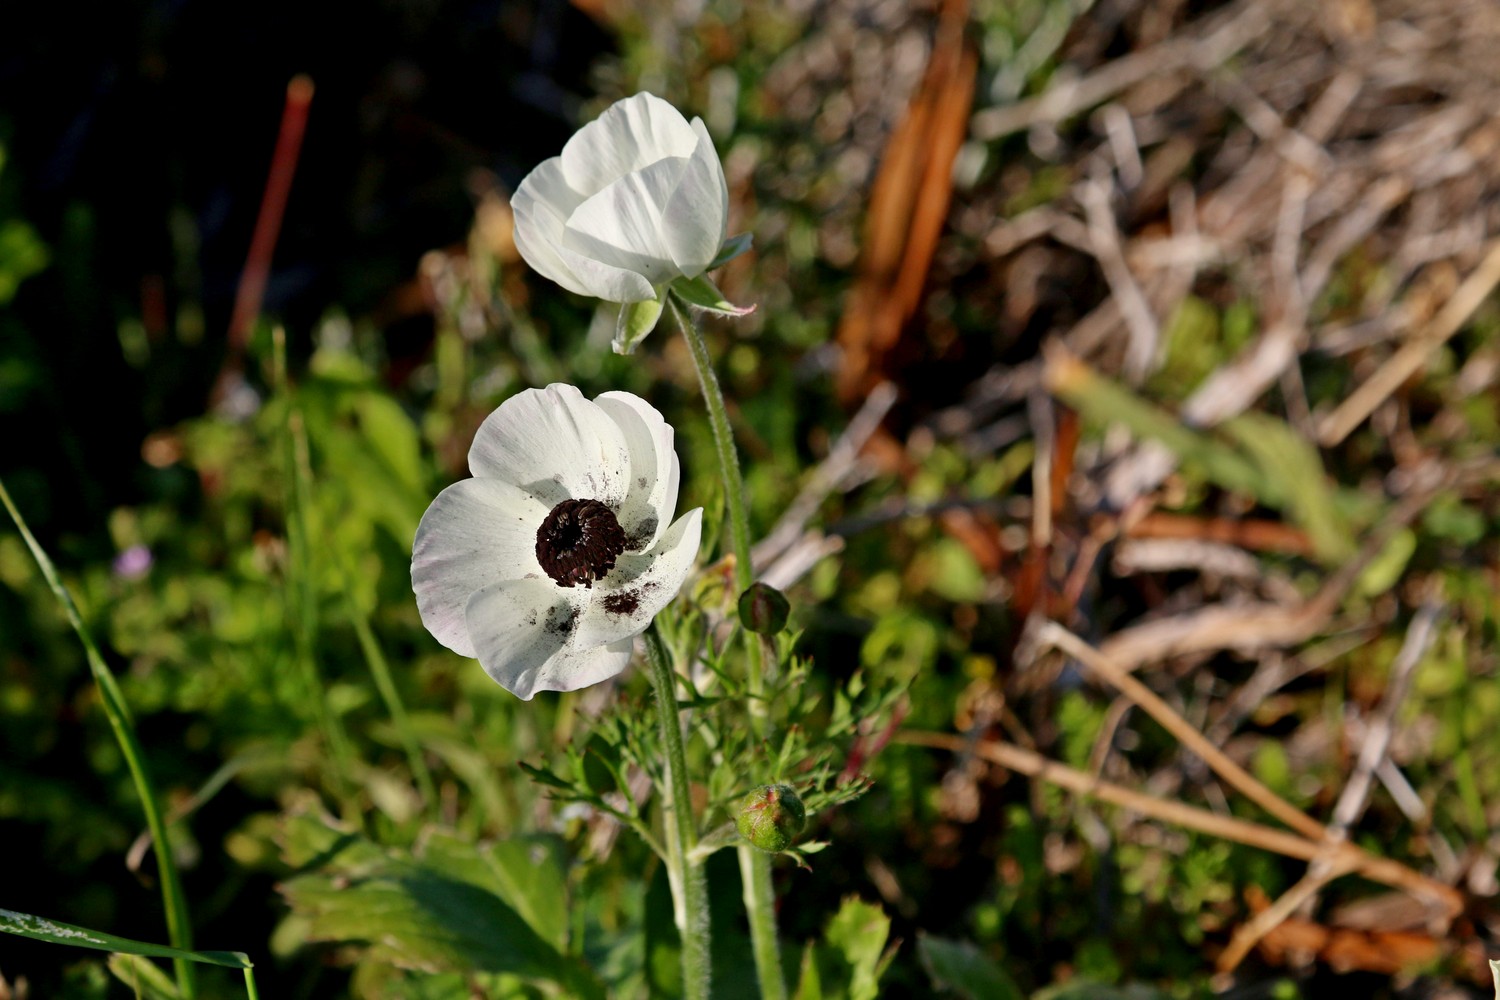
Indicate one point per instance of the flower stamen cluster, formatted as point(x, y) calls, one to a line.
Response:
point(579, 542)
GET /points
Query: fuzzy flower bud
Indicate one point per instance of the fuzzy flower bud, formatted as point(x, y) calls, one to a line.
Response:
point(764, 609)
point(770, 817)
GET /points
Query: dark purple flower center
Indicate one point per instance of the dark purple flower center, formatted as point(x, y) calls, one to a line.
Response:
point(579, 542)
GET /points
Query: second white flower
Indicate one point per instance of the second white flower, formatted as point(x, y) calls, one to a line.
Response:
point(636, 200)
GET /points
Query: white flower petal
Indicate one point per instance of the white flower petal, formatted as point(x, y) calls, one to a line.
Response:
point(476, 533)
point(629, 135)
point(540, 205)
point(578, 668)
point(622, 224)
point(555, 445)
point(606, 281)
point(640, 585)
point(651, 494)
point(696, 218)
point(522, 631)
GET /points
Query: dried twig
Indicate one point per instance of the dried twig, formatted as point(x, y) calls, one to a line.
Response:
point(1351, 803)
point(1032, 764)
point(1414, 353)
point(830, 474)
point(1222, 36)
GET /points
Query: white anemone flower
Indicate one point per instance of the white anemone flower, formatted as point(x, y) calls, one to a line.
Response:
point(636, 199)
point(635, 204)
point(561, 548)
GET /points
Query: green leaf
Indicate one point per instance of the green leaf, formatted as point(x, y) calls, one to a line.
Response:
point(391, 434)
point(145, 979)
point(701, 293)
point(858, 933)
point(1264, 457)
point(1293, 473)
point(732, 248)
point(809, 986)
point(542, 776)
point(22, 254)
point(41, 929)
point(1386, 568)
point(527, 872)
point(413, 917)
point(456, 908)
point(961, 967)
point(636, 320)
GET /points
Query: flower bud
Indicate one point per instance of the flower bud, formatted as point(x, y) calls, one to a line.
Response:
point(770, 817)
point(764, 609)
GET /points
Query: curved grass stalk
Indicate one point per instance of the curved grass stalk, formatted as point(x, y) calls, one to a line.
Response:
point(179, 927)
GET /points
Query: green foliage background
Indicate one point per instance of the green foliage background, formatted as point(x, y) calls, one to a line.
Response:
point(279, 537)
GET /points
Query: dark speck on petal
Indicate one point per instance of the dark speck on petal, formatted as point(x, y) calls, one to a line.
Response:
point(623, 603)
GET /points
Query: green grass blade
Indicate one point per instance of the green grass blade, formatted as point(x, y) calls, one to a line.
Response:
point(380, 670)
point(41, 929)
point(301, 592)
point(179, 928)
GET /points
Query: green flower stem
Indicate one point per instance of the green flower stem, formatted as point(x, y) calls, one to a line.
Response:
point(734, 484)
point(689, 888)
point(179, 927)
point(755, 867)
point(760, 907)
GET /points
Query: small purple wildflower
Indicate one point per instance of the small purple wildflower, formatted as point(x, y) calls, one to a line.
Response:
point(133, 563)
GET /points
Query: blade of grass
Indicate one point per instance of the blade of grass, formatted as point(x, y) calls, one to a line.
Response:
point(380, 670)
point(37, 928)
point(179, 927)
point(302, 596)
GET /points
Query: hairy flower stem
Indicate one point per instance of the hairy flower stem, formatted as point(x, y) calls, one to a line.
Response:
point(689, 888)
point(755, 867)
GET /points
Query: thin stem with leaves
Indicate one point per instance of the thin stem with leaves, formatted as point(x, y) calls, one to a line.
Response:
point(755, 867)
point(689, 887)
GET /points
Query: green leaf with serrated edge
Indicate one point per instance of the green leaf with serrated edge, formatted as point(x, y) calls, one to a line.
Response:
point(526, 872)
point(701, 293)
point(41, 929)
point(961, 967)
point(444, 914)
point(412, 916)
point(636, 320)
point(732, 248)
point(544, 777)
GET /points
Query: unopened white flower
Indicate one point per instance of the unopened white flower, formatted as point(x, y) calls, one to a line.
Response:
point(636, 199)
point(562, 548)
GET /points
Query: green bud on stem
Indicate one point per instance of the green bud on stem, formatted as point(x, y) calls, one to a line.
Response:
point(764, 609)
point(770, 817)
